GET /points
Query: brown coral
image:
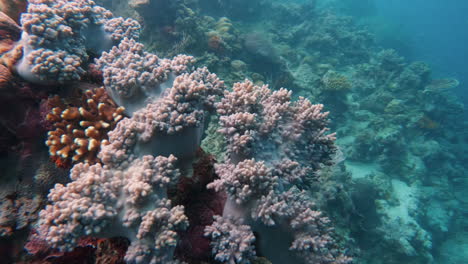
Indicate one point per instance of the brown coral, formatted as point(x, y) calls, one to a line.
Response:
point(335, 82)
point(10, 32)
point(6, 78)
point(81, 129)
point(13, 8)
point(10, 50)
point(17, 213)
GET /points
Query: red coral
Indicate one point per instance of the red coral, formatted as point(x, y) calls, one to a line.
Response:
point(194, 246)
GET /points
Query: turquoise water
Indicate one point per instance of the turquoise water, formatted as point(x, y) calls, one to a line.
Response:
point(391, 188)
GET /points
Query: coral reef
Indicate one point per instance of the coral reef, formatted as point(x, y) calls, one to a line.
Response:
point(441, 84)
point(390, 189)
point(89, 250)
point(274, 147)
point(193, 245)
point(125, 200)
point(131, 75)
point(6, 78)
point(335, 82)
point(232, 242)
point(79, 130)
point(126, 194)
point(126, 191)
point(57, 35)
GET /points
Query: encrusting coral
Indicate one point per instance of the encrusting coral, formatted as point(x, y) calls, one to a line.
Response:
point(80, 130)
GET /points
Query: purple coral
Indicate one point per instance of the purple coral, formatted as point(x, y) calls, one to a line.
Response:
point(58, 33)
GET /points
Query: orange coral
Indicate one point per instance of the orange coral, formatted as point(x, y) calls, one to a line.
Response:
point(215, 42)
point(81, 130)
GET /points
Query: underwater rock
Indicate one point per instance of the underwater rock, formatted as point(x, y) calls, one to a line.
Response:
point(402, 231)
point(238, 66)
point(258, 44)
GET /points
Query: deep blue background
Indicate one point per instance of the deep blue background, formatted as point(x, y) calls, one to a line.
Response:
point(434, 31)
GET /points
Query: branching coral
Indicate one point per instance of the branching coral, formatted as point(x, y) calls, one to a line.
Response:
point(170, 123)
point(273, 144)
point(132, 75)
point(255, 118)
point(80, 130)
point(232, 242)
point(127, 200)
point(125, 194)
point(57, 35)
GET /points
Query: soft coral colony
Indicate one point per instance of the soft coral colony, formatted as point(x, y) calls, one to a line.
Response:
point(274, 147)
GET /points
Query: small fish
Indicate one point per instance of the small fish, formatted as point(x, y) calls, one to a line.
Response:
point(441, 85)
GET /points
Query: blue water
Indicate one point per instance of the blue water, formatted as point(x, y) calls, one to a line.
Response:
point(432, 31)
